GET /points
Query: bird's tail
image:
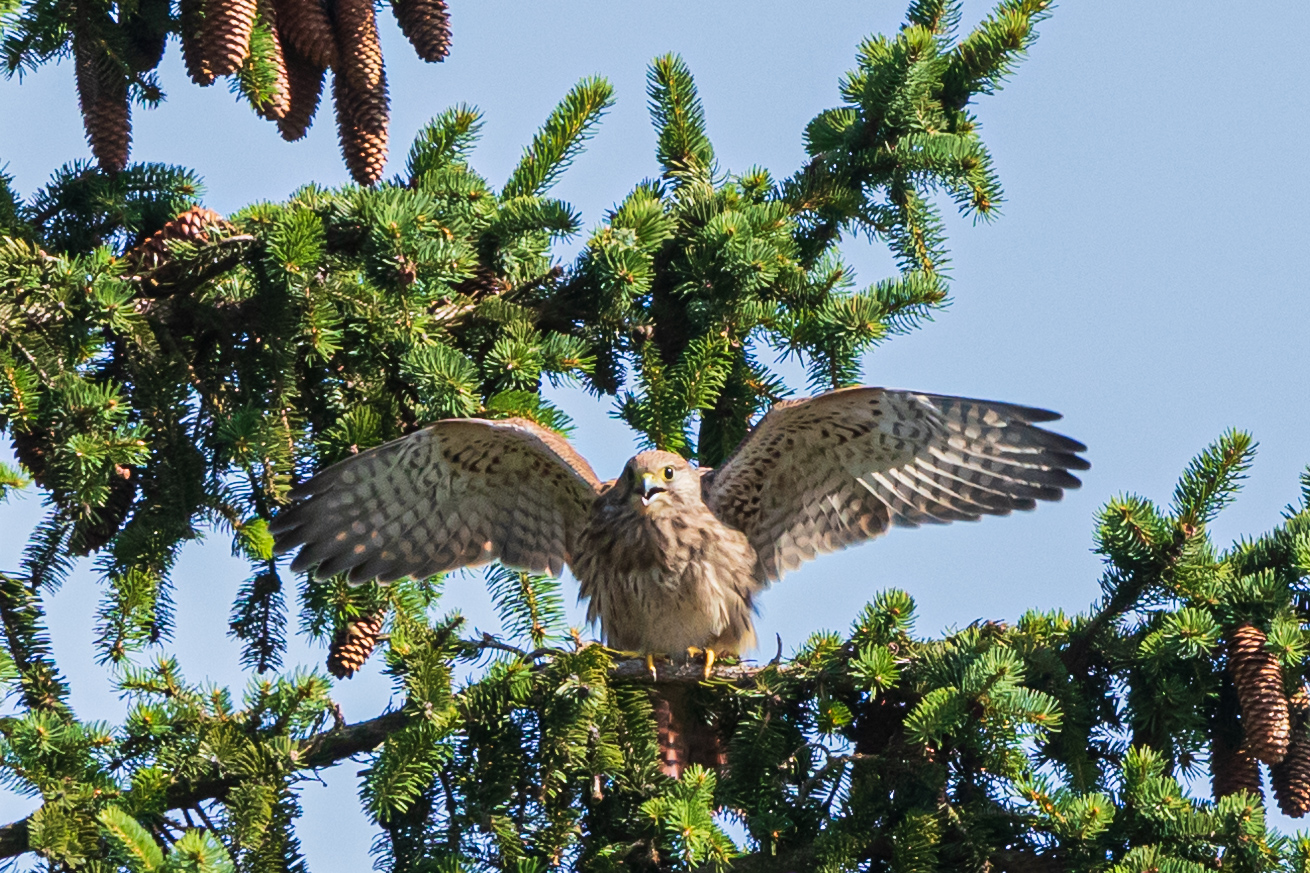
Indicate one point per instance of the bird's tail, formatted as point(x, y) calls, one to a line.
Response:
point(684, 738)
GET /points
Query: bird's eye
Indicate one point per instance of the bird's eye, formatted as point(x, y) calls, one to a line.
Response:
point(668, 473)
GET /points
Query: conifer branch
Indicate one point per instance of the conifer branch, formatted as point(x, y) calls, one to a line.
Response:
point(316, 752)
point(339, 743)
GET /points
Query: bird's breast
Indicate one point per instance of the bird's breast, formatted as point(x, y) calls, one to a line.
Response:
point(628, 540)
point(664, 582)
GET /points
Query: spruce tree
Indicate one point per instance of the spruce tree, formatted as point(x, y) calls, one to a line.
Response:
point(167, 373)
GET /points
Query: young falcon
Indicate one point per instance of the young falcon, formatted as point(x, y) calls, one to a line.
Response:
point(670, 556)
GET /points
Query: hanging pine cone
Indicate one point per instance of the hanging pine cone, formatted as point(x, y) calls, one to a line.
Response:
point(361, 127)
point(353, 645)
point(304, 26)
point(32, 447)
point(1259, 682)
point(102, 94)
point(1232, 770)
point(305, 84)
point(279, 103)
point(195, 51)
point(1291, 777)
point(227, 28)
point(146, 29)
point(196, 224)
point(358, 48)
point(426, 24)
point(110, 517)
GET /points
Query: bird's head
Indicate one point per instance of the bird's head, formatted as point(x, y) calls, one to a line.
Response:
point(660, 481)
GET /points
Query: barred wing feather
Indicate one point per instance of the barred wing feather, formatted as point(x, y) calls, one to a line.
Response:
point(459, 493)
point(820, 474)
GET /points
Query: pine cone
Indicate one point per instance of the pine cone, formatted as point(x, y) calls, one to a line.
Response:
point(227, 28)
point(304, 26)
point(305, 83)
point(1232, 770)
point(197, 224)
point(426, 24)
point(110, 517)
point(32, 448)
point(483, 283)
point(361, 127)
point(102, 94)
point(1291, 777)
point(146, 30)
point(353, 644)
point(195, 51)
point(1027, 861)
point(277, 106)
point(357, 45)
point(1259, 682)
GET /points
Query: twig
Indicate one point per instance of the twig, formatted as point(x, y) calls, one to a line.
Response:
point(833, 761)
point(200, 811)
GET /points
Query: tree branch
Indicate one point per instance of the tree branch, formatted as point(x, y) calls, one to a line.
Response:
point(329, 747)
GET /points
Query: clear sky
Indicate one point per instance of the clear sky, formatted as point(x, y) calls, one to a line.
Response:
point(1147, 277)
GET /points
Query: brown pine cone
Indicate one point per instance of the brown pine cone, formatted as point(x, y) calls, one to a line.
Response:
point(195, 51)
point(1291, 777)
point(358, 48)
point(1258, 678)
point(426, 24)
point(102, 94)
point(305, 84)
point(279, 103)
point(1232, 770)
point(353, 644)
point(197, 224)
point(362, 127)
point(304, 26)
point(227, 28)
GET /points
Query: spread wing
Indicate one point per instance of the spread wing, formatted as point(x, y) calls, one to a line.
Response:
point(459, 493)
point(824, 473)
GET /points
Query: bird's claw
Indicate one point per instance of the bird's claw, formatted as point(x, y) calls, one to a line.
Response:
point(650, 665)
point(709, 663)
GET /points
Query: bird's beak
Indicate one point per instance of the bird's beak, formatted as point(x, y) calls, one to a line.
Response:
point(651, 485)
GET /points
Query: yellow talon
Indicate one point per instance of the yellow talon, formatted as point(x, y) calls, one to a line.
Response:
point(692, 652)
point(650, 665)
point(709, 663)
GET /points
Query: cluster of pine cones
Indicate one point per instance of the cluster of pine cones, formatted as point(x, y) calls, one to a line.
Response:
point(1274, 728)
point(300, 40)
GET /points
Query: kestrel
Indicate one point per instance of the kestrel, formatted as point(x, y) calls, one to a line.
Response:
point(670, 556)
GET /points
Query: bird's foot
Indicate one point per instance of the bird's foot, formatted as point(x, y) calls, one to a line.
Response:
point(650, 665)
point(694, 652)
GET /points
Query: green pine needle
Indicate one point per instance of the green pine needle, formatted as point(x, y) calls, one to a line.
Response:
point(560, 139)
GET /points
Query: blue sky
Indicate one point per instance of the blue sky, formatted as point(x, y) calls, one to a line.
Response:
point(1147, 277)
